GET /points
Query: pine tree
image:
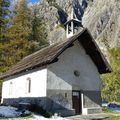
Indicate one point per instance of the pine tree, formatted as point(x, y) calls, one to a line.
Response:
point(20, 32)
point(19, 44)
point(4, 12)
point(4, 19)
point(23, 33)
point(39, 33)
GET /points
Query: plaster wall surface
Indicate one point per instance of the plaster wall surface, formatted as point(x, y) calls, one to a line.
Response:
point(18, 86)
point(61, 74)
point(61, 80)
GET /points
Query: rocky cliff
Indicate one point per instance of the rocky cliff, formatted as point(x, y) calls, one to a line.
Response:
point(101, 17)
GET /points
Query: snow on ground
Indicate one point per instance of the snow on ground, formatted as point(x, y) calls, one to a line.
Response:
point(37, 117)
point(11, 112)
point(7, 111)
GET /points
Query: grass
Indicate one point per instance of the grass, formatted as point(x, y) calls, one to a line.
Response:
point(112, 118)
point(109, 111)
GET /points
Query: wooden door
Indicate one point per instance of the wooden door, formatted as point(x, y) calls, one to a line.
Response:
point(76, 98)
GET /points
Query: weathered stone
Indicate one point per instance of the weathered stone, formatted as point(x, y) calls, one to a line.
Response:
point(102, 19)
point(57, 14)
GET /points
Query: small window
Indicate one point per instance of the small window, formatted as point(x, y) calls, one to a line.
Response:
point(28, 84)
point(75, 94)
point(10, 88)
point(69, 28)
point(65, 95)
point(76, 73)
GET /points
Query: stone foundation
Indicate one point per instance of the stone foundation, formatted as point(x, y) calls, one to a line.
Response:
point(46, 103)
point(17, 101)
point(60, 101)
point(92, 99)
point(91, 102)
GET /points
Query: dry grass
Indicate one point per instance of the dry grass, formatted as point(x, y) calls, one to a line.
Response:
point(112, 118)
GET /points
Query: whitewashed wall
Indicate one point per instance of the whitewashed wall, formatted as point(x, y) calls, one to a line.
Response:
point(61, 74)
point(61, 78)
point(19, 89)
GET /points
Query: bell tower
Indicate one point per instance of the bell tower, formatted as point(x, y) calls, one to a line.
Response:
point(72, 25)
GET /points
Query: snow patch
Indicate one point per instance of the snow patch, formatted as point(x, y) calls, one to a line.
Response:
point(8, 112)
point(37, 117)
point(12, 112)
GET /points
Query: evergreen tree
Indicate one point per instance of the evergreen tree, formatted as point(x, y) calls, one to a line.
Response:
point(39, 33)
point(4, 12)
point(4, 19)
point(19, 33)
point(19, 44)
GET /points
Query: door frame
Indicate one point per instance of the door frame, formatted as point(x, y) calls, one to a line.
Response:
point(80, 100)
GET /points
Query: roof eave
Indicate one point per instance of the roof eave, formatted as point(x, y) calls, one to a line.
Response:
point(107, 67)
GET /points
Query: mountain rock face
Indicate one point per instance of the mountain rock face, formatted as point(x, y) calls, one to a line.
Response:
point(56, 14)
point(101, 17)
point(50, 16)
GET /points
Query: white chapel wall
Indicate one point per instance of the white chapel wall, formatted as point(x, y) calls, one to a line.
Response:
point(61, 74)
point(16, 87)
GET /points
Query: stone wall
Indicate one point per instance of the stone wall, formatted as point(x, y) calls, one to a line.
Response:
point(62, 97)
point(47, 103)
point(92, 99)
point(40, 101)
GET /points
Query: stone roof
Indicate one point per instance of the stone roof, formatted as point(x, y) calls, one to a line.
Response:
point(49, 55)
